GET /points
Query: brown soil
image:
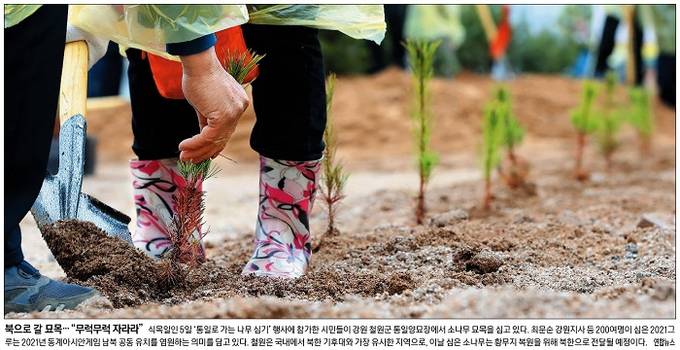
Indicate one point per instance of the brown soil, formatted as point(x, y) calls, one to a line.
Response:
point(574, 249)
point(604, 247)
point(119, 271)
point(371, 113)
point(127, 277)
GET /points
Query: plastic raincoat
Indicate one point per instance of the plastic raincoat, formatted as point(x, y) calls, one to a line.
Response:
point(17, 13)
point(150, 27)
point(432, 22)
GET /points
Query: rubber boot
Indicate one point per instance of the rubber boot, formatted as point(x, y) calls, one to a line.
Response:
point(155, 183)
point(282, 237)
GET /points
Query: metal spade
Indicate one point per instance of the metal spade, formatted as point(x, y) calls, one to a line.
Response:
point(60, 197)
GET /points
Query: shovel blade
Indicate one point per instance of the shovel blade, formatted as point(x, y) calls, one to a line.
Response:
point(109, 220)
point(60, 197)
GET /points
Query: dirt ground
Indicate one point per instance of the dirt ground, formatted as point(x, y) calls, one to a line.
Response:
point(605, 248)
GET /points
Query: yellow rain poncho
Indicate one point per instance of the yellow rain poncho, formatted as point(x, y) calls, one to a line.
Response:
point(150, 27)
point(17, 13)
point(432, 22)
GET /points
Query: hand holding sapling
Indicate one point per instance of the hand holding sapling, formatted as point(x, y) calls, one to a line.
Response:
point(219, 100)
point(186, 232)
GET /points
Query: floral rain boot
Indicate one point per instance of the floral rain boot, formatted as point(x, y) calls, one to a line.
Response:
point(155, 183)
point(282, 237)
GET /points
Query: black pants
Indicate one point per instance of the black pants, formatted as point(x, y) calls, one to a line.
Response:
point(103, 79)
point(607, 43)
point(665, 77)
point(34, 51)
point(289, 99)
point(395, 16)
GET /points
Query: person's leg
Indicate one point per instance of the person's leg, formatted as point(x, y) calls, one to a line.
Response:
point(34, 52)
point(290, 104)
point(158, 125)
point(289, 96)
point(637, 51)
point(665, 77)
point(105, 76)
point(395, 16)
point(606, 47)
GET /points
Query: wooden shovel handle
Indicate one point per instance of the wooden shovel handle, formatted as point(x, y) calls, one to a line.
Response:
point(629, 16)
point(488, 25)
point(73, 87)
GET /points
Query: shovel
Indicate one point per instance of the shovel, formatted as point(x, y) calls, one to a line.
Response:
point(60, 197)
point(498, 39)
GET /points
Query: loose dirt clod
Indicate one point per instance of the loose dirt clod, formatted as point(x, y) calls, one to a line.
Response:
point(88, 255)
point(485, 261)
point(449, 218)
point(652, 220)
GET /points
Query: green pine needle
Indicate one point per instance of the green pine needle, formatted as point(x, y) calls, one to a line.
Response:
point(609, 118)
point(582, 117)
point(512, 131)
point(640, 113)
point(203, 170)
point(421, 58)
point(492, 139)
point(239, 66)
point(334, 176)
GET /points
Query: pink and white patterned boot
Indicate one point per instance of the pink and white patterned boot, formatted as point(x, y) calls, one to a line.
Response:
point(282, 237)
point(155, 183)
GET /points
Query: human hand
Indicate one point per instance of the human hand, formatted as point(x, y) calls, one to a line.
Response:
point(219, 101)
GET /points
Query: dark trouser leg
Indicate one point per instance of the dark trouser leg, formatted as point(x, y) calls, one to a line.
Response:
point(637, 52)
point(34, 51)
point(665, 77)
point(606, 45)
point(158, 124)
point(104, 77)
point(395, 15)
point(289, 95)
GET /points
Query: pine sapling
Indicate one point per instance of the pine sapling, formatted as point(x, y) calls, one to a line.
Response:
point(334, 176)
point(186, 229)
point(584, 123)
point(609, 122)
point(640, 116)
point(421, 55)
point(492, 138)
point(514, 174)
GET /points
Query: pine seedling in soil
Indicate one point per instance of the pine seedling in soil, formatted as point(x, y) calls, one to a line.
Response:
point(515, 172)
point(609, 122)
point(421, 55)
point(492, 139)
point(640, 116)
point(582, 119)
point(334, 175)
point(186, 229)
